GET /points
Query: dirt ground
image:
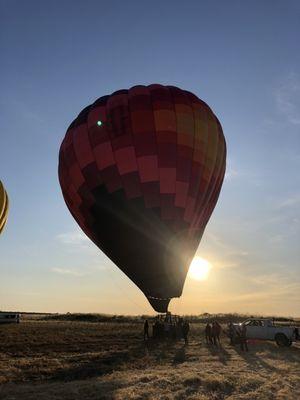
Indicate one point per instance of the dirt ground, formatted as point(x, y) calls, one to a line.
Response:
point(51, 360)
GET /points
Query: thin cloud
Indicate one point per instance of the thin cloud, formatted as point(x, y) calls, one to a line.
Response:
point(267, 287)
point(234, 260)
point(231, 170)
point(265, 295)
point(227, 248)
point(77, 241)
point(73, 238)
point(231, 174)
point(277, 239)
point(290, 201)
point(234, 173)
point(288, 99)
point(262, 293)
point(25, 111)
point(63, 271)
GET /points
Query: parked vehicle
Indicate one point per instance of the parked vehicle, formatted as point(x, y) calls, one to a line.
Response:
point(265, 329)
point(9, 317)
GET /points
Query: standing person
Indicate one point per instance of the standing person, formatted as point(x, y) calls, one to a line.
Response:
point(215, 332)
point(218, 329)
point(243, 337)
point(185, 331)
point(155, 329)
point(208, 336)
point(146, 329)
point(231, 333)
point(166, 329)
point(179, 334)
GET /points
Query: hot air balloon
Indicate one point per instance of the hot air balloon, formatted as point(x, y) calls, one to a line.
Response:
point(4, 203)
point(141, 171)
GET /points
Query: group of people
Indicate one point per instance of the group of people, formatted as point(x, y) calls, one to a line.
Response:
point(173, 327)
point(238, 335)
point(212, 333)
point(168, 327)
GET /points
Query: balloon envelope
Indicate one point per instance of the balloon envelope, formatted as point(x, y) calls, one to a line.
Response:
point(141, 171)
point(4, 203)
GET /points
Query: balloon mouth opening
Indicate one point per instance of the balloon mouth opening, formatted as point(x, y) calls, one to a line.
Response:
point(159, 304)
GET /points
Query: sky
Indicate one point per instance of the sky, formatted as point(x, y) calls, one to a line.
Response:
point(242, 58)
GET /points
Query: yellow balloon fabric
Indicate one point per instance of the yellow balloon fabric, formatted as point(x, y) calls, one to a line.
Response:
point(4, 203)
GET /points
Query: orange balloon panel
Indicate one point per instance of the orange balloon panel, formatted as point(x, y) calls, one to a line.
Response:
point(141, 171)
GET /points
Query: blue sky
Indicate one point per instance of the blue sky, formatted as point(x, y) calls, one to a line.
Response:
point(242, 58)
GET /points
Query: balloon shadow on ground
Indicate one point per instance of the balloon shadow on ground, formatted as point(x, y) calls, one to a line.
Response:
point(160, 349)
point(180, 355)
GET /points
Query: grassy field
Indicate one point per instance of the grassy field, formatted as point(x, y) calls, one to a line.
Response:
point(50, 360)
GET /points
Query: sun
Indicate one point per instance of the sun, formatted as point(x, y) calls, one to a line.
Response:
point(199, 269)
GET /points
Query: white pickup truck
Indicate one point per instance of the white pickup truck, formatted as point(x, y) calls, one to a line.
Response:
point(265, 329)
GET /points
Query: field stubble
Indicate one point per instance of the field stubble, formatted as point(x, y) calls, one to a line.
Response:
point(51, 360)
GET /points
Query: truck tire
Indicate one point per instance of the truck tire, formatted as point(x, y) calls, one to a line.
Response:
point(282, 341)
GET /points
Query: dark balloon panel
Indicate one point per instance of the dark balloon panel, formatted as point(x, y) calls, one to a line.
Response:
point(141, 171)
point(4, 203)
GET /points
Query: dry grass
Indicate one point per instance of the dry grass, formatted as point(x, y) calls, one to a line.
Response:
point(51, 360)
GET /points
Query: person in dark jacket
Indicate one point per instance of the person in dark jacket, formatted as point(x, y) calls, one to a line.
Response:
point(146, 330)
point(243, 337)
point(216, 332)
point(185, 331)
point(231, 333)
point(208, 336)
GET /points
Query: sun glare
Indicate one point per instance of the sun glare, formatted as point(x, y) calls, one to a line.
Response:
point(199, 269)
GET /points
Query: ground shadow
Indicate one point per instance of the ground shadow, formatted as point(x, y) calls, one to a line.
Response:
point(220, 352)
point(253, 359)
point(278, 353)
point(96, 366)
point(180, 355)
point(95, 390)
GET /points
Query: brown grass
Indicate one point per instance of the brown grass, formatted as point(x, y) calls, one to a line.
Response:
point(51, 360)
